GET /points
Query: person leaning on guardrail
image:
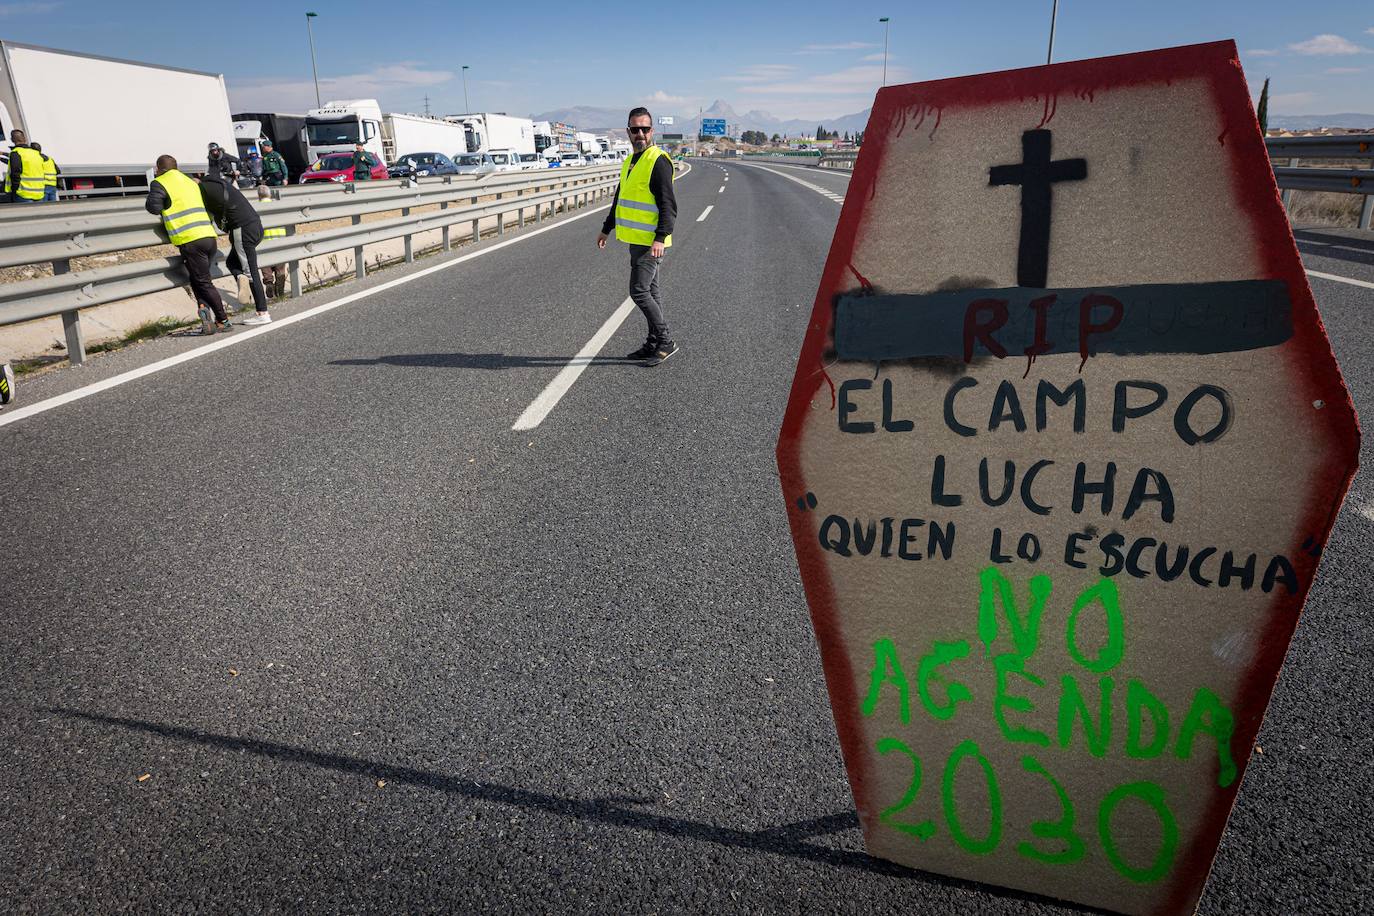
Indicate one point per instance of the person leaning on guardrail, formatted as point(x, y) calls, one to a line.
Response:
point(235, 217)
point(50, 173)
point(24, 184)
point(178, 200)
point(642, 214)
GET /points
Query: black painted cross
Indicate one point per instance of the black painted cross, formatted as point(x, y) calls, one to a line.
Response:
point(1035, 173)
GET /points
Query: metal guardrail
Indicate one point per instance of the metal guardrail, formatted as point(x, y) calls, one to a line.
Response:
point(56, 233)
point(843, 161)
point(1341, 181)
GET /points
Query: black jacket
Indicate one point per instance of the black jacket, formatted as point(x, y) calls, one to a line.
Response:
point(226, 204)
point(225, 165)
point(661, 186)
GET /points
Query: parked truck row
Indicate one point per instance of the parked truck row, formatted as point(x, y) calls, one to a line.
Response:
point(133, 112)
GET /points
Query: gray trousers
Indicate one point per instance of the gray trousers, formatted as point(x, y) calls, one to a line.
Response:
point(644, 292)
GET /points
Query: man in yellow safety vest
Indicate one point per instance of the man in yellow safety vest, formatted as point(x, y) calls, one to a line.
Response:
point(50, 171)
point(24, 181)
point(642, 215)
point(177, 199)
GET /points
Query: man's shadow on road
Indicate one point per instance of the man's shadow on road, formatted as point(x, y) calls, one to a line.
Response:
point(615, 811)
point(482, 361)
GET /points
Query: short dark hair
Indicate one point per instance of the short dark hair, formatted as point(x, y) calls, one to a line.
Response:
point(36, 146)
point(640, 112)
point(166, 163)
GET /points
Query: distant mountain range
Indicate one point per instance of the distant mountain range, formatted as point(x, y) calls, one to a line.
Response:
point(1316, 122)
point(589, 118)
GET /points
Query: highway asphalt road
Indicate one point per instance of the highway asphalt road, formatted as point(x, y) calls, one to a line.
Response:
point(376, 651)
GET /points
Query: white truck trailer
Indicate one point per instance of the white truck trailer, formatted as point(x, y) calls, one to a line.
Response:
point(403, 134)
point(337, 126)
point(105, 121)
point(486, 131)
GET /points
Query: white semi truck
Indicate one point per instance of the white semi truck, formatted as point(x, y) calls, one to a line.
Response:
point(337, 126)
point(486, 131)
point(105, 121)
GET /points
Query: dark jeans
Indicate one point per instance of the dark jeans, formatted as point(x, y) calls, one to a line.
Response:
point(198, 256)
point(644, 291)
point(243, 258)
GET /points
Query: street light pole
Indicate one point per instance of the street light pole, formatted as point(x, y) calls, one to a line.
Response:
point(1054, 15)
point(887, 27)
point(467, 106)
point(316, 73)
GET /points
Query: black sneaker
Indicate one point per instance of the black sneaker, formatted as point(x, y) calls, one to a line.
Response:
point(661, 352)
point(225, 325)
point(6, 384)
point(649, 349)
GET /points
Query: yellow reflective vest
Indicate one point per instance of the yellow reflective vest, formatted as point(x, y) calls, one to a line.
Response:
point(278, 233)
point(30, 173)
point(636, 212)
point(49, 171)
point(185, 218)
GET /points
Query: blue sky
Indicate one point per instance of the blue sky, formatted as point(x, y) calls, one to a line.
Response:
point(529, 56)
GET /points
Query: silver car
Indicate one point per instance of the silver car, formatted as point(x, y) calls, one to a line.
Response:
point(474, 163)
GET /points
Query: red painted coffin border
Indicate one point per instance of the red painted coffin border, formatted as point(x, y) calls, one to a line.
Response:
point(1307, 356)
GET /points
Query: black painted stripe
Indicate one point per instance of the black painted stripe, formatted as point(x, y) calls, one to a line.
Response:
point(1199, 318)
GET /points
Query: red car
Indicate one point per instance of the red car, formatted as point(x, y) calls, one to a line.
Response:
point(339, 167)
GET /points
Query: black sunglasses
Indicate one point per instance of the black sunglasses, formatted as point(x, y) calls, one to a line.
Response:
point(640, 130)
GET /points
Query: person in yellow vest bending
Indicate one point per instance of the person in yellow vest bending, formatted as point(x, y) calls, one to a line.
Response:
point(50, 172)
point(642, 215)
point(177, 199)
point(24, 181)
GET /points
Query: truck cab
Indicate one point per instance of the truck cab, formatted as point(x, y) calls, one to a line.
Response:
point(336, 126)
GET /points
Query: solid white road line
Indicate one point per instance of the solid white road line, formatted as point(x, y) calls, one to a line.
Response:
point(824, 192)
point(1339, 279)
point(548, 398)
point(705, 213)
point(242, 336)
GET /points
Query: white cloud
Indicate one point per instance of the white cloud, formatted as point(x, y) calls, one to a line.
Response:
point(1292, 102)
point(878, 57)
point(1327, 46)
point(662, 98)
point(298, 95)
point(26, 9)
point(1262, 52)
point(838, 46)
point(1342, 71)
point(854, 81)
point(759, 73)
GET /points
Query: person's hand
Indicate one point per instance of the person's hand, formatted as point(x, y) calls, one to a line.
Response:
point(656, 250)
point(601, 240)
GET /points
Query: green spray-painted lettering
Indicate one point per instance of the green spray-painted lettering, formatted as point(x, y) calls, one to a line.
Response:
point(928, 672)
point(1005, 666)
point(1104, 593)
point(1151, 794)
point(1025, 631)
point(1208, 716)
point(925, 829)
point(1073, 706)
point(1138, 700)
point(1061, 829)
point(887, 669)
point(994, 807)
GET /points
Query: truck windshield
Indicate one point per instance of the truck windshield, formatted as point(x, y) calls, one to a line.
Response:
point(323, 133)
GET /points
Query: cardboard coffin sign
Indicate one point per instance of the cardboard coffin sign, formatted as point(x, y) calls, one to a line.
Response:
point(1064, 443)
